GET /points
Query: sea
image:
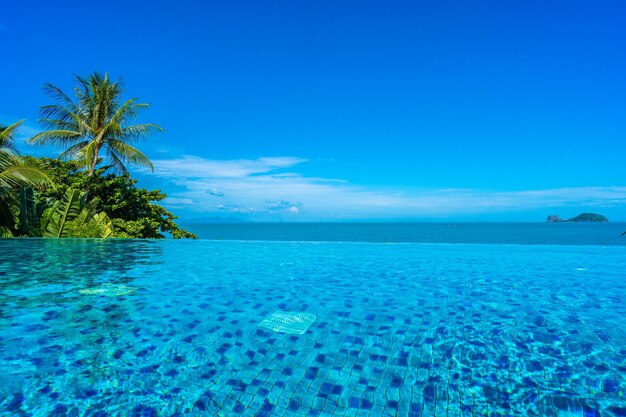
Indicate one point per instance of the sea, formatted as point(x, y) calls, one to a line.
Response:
point(479, 233)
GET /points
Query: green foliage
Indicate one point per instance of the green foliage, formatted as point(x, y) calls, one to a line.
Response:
point(133, 211)
point(97, 120)
point(31, 212)
point(7, 215)
point(73, 216)
point(6, 137)
point(15, 171)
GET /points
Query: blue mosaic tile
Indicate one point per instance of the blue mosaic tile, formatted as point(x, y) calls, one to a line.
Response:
point(400, 330)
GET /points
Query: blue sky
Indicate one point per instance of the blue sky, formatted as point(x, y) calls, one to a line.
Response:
point(425, 110)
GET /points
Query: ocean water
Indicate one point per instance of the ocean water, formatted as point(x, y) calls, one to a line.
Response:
point(229, 328)
point(498, 233)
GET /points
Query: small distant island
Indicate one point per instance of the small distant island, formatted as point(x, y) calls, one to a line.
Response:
point(581, 218)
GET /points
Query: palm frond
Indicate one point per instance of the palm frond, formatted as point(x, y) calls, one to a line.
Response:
point(73, 151)
point(59, 124)
point(57, 112)
point(57, 137)
point(55, 116)
point(57, 94)
point(139, 131)
point(6, 136)
point(127, 153)
point(116, 163)
point(24, 174)
point(126, 111)
point(15, 171)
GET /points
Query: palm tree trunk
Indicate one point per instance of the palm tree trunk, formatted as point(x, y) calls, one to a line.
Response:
point(95, 161)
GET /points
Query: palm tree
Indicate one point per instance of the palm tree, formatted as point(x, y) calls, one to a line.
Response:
point(14, 172)
point(97, 120)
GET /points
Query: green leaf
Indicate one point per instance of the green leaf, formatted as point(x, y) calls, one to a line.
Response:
point(63, 213)
point(102, 220)
point(127, 153)
point(30, 212)
point(74, 216)
point(5, 232)
point(6, 137)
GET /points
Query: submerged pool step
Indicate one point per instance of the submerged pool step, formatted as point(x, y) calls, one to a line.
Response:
point(288, 322)
point(110, 290)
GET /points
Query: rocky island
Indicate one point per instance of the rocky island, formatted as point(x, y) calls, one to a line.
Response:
point(581, 218)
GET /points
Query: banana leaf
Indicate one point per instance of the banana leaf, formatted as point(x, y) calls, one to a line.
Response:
point(74, 216)
point(63, 213)
point(103, 221)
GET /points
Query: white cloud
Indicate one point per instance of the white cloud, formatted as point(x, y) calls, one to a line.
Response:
point(175, 201)
point(215, 192)
point(194, 167)
point(259, 188)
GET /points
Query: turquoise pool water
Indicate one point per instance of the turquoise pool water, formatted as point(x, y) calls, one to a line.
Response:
point(171, 328)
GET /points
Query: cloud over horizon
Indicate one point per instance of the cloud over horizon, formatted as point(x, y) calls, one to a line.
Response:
point(269, 188)
point(195, 167)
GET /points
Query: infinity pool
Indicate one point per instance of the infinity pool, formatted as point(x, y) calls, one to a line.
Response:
point(173, 328)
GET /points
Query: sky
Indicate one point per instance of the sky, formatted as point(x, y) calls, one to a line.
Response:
point(346, 110)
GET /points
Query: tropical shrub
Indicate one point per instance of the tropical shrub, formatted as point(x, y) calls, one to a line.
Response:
point(96, 124)
point(31, 211)
point(133, 211)
point(74, 216)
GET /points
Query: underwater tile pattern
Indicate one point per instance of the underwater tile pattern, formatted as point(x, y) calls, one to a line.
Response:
point(400, 329)
point(288, 322)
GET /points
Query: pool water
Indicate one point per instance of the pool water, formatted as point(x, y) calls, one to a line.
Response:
point(171, 328)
